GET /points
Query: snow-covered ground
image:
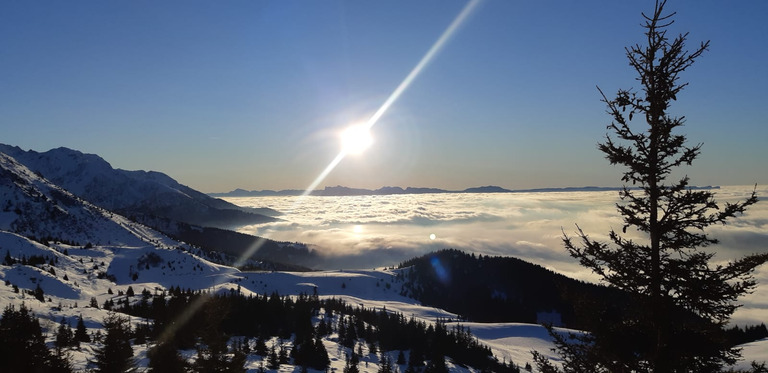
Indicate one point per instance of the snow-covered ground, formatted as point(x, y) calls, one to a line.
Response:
point(368, 288)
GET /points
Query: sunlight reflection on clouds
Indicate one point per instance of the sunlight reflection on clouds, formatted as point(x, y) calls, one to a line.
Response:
point(525, 225)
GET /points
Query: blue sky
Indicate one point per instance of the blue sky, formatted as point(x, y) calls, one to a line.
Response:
point(253, 94)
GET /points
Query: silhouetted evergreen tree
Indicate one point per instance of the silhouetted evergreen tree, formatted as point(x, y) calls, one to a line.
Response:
point(38, 293)
point(22, 346)
point(680, 300)
point(282, 355)
point(260, 348)
point(436, 365)
point(64, 335)
point(311, 353)
point(81, 333)
point(211, 357)
point(115, 354)
point(212, 352)
point(165, 358)
point(416, 358)
point(8, 260)
point(352, 364)
point(400, 358)
point(386, 365)
point(272, 360)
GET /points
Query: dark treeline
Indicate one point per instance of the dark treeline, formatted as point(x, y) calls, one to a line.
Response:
point(749, 333)
point(22, 344)
point(500, 289)
point(215, 242)
point(305, 320)
point(505, 289)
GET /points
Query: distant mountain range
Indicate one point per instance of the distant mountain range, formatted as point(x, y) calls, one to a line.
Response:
point(388, 190)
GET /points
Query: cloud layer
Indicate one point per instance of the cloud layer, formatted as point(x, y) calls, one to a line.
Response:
point(375, 231)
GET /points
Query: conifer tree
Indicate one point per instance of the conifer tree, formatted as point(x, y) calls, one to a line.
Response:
point(352, 364)
point(116, 353)
point(81, 333)
point(272, 360)
point(261, 347)
point(64, 335)
point(165, 358)
point(22, 345)
point(8, 260)
point(237, 363)
point(39, 293)
point(386, 364)
point(679, 300)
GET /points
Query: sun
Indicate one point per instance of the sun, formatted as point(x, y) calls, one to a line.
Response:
point(355, 139)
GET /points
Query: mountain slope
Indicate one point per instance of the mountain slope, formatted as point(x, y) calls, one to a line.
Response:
point(32, 206)
point(150, 198)
point(501, 289)
point(134, 192)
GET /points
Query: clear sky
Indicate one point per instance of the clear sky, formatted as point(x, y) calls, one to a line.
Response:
point(252, 94)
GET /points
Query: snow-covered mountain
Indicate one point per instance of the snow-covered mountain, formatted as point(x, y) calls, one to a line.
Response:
point(90, 177)
point(35, 207)
point(83, 256)
point(65, 258)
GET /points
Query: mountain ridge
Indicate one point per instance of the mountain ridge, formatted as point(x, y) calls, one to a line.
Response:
point(92, 178)
point(341, 191)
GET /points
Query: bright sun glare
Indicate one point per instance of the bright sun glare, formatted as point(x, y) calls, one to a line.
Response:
point(355, 139)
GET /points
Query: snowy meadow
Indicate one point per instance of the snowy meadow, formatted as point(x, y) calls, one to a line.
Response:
point(375, 231)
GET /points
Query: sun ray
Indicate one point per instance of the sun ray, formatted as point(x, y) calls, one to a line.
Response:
point(444, 37)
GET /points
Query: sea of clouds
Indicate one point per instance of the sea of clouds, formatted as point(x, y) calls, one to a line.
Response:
point(376, 231)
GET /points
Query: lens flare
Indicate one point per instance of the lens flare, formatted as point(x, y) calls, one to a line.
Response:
point(441, 272)
point(444, 37)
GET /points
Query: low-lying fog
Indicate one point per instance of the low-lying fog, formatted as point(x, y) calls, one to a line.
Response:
point(376, 231)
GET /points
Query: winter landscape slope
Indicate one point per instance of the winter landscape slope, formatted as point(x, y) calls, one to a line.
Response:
point(66, 258)
point(157, 200)
point(90, 177)
point(70, 298)
point(90, 256)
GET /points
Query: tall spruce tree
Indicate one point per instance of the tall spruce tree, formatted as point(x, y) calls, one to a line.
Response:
point(679, 298)
point(116, 353)
point(64, 335)
point(81, 333)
